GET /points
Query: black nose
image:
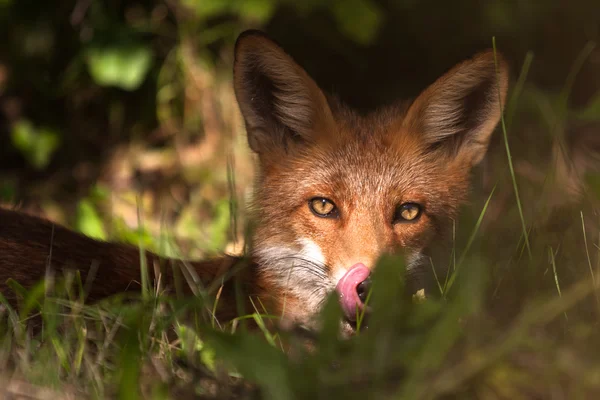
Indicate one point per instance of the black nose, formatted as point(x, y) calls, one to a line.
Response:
point(362, 289)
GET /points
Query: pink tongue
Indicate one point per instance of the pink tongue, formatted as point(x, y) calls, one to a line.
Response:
point(346, 289)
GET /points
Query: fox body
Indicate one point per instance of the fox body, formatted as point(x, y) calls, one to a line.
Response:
point(335, 190)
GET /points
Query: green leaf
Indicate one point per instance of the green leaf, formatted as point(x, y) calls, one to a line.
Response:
point(358, 19)
point(36, 144)
point(330, 317)
point(207, 9)
point(121, 65)
point(88, 220)
point(387, 288)
point(191, 342)
point(219, 226)
point(256, 360)
point(260, 10)
point(131, 354)
point(136, 236)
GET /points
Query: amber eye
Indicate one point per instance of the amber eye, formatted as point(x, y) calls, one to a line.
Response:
point(323, 207)
point(407, 212)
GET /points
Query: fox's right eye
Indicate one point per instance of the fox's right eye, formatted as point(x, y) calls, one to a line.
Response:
point(407, 212)
point(323, 207)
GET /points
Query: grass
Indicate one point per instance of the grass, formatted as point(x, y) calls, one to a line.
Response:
point(161, 347)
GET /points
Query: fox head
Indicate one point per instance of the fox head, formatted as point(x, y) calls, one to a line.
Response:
point(336, 190)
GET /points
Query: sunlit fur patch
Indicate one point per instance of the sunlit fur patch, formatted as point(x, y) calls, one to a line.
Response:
point(339, 274)
point(311, 251)
point(414, 261)
point(299, 273)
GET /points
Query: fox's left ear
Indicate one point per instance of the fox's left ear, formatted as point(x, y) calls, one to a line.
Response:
point(459, 112)
point(281, 105)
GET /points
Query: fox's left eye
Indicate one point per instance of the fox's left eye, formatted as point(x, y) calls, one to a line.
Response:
point(323, 207)
point(407, 212)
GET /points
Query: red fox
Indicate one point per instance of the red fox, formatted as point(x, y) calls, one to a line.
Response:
point(335, 190)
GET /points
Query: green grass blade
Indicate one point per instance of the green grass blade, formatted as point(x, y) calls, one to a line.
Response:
point(143, 261)
point(555, 274)
point(509, 157)
point(470, 241)
point(511, 107)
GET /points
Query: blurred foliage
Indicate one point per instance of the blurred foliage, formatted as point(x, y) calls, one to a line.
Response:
point(89, 222)
point(36, 145)
point(260, 10)
point(591, 112)
point(120, 65)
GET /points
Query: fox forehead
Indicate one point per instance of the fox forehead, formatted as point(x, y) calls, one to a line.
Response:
point(364, 157)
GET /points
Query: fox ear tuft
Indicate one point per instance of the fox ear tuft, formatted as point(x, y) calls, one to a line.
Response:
point(280, 103)
point(459, 112)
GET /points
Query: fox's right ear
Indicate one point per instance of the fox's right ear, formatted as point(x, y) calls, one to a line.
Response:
point(280, 103)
